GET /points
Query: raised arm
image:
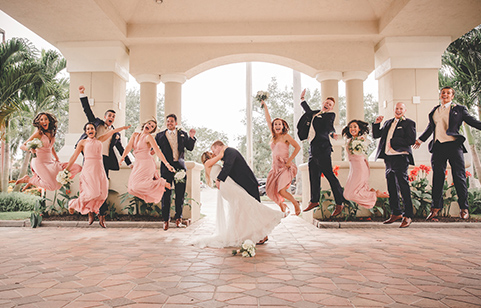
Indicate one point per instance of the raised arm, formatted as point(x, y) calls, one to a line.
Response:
point(85, 104)
point(78, 150)
point(212, 161)
point(109, 134)
point(266, 113)
point(159, 153)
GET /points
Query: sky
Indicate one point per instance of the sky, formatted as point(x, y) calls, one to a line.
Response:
point(215, 98)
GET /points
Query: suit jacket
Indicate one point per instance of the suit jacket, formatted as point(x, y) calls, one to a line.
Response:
point(457, 115)
point(403, 138)
point(183, 141)
point(113, 163)
point(236, 167)
point(323, 127)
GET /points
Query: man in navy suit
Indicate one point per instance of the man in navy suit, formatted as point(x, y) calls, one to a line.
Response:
point(321, 129)
point(173, 142)
point(447, 144)
point(397, 136)
point(109, 158)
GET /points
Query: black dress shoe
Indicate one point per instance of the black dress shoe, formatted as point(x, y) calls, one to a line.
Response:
point(311, 206)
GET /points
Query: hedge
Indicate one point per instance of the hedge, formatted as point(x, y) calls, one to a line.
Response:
point(16, 201)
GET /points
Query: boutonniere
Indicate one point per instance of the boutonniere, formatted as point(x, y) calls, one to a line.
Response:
point(402, 118)
point(453, 105)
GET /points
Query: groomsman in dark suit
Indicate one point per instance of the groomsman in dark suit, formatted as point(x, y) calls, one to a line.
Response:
point(172, 142)
point(320, 130)
point(447, 144)
point(109, 158)
point(397, 136)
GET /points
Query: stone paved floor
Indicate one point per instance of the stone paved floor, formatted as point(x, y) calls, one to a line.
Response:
point(300, 266)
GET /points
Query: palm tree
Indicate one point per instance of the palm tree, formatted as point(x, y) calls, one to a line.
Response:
point(46, 94)
point(17, 70)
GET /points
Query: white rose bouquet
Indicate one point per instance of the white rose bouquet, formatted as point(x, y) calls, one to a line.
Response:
point(34, 144)
point(248, 249)
point(63, 177)
point(179, 176)
point(358, 145)
point(262, 96)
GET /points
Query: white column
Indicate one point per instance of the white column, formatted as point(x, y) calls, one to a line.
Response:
point(249, 146)
point(330, 88)
point(354, 94)
point(173, 94)
point(148, 96)
point(296, 92)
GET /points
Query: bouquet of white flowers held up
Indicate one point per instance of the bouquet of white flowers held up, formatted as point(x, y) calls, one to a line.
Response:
point(179, 176)
point(248, 249)
point(358, 145)
point(262, 96)
point(63, 177)
point(34, 144)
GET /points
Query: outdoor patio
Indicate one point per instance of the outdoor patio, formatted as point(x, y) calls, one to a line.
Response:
point(300, 266)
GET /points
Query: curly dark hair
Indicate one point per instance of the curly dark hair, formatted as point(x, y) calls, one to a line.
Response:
point(52, 125)
point(285, 128)
point(363, 128)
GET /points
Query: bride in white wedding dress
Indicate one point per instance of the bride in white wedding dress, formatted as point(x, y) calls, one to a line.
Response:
point(239, 216)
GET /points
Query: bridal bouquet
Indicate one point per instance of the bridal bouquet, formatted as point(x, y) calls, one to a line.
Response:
point(179, 176)
point(262, 96)
point(248, 249)
point(34, 144)
point(358, 146)
point(63, 177)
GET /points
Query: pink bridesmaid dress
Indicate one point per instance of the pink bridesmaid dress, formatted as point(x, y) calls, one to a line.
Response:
point(45, 169)
point(145, 181)
point(280, 176)
point(94, 185)
point(357, 185)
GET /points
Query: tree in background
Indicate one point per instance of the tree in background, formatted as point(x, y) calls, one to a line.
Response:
point(461, 70)
point(18, 69)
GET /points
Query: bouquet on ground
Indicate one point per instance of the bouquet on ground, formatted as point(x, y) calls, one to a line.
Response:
point(248, 249)
point(63, 177)
point(34, 144)
point(262, 96)
point(179, 176)
point(358, 145)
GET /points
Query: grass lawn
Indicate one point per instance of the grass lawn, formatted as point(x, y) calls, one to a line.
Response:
point(14, 215)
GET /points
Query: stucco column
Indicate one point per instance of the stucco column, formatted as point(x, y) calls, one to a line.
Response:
point(330, 88)
point(173, 94)
point(148, 96)
point(354, 94)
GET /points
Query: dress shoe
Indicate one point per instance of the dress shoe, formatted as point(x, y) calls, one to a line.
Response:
point(179, 224)
point(406, 222)
point(337, 211)
point(464, 214)
point(434, 213)
point(392, 219)
point(311, 206)
point(261, 242)
point(102, 221)
point(91, 218)
point(166, 225)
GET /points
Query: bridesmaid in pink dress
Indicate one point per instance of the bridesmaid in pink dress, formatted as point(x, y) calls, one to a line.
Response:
point(357, 185)
point(283, 170)
point(145, 181)
point(45, 165)
point(94, 185)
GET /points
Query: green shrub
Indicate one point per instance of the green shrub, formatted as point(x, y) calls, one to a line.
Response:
point(15, 201)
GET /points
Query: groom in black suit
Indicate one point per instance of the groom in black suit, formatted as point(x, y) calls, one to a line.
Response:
point(397, 136)
point(320, 129)
point(447, 144)
point(172, 143)
point(236, 167)
point(108, 155)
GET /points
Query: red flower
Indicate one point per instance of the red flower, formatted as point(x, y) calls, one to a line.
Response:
point(446, 173)
point(468, 174)
point(336, 170)
point(68, 191)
